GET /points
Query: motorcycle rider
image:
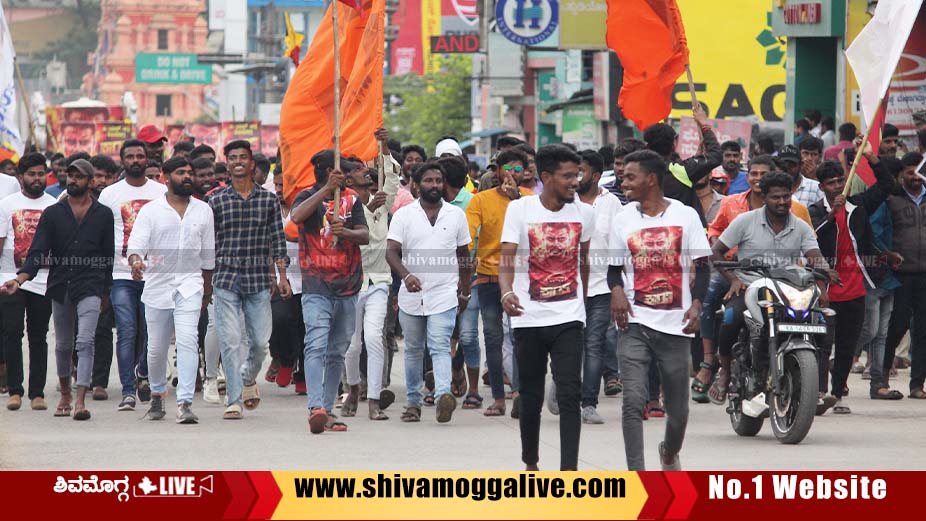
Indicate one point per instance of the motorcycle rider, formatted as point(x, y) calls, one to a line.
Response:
point(769, 235)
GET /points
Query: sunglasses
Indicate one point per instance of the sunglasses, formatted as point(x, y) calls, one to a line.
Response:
point(517, 169)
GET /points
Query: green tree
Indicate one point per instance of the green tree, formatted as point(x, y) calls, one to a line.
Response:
point(433, 105)
point(73, 47)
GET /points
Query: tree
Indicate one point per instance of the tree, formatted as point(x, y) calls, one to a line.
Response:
point(433, 105)
point(74, 46)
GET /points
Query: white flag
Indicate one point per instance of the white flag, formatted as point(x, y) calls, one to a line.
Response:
point(876, 50)
point(9, 127)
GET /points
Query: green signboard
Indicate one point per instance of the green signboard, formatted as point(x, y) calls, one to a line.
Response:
point(170, 68)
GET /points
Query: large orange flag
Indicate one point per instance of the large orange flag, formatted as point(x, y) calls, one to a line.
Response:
point(649, 38)
point(307, 115)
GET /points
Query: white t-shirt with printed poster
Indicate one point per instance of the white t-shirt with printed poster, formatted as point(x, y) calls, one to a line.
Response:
point(19, 217)
point(126, 201)
point(547, 280)
point(658, 253)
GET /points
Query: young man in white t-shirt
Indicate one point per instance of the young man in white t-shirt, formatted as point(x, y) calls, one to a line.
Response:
point(655, 242)
point(125, 199)
point(19, 216)
point(543, 279)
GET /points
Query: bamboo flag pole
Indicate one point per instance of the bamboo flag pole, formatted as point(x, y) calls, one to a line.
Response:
point(858, 153)
point(337, 110)
point(691, 88)
point(25, 98)
point(381, 163)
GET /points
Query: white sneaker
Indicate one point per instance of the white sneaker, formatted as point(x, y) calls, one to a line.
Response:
point(590, 415)
point(211, 391)
point(552, 404)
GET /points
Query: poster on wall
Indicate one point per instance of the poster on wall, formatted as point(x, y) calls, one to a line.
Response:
point(269, 140)
point(207, 134)
point(689, 135)
point(110, 136)
point(76, 122)
point(246, 130)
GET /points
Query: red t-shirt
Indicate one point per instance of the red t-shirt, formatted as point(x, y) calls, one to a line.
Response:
point(853, 285)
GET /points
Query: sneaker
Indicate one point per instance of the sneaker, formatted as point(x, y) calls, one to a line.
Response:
point(156, 410)
point(127, 403)
point(15, 402)
point(100, 394)
point(552, 404)
point(674, 464)
point(590, 415)
point(185, 414)
point(39, 404)
point(144, 390)
point(211, 392)
point(284, 376)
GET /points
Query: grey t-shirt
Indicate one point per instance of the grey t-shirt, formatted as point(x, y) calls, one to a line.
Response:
point(752, 234)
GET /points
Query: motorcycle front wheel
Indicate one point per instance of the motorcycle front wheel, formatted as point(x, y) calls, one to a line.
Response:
point(792, 412)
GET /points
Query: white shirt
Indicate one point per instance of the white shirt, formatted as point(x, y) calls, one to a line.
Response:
point(373, 255)
point(606, 206)
point(430, 254)
point(175, 249)
point(125, 201)
point(657, 255)
point(8, 185)
point(547, 279)
point(19, 216)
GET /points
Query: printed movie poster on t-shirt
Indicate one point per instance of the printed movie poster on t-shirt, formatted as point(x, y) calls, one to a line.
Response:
point(553, 264)
point(130, 211)
point(657, 274)
point(24, 224)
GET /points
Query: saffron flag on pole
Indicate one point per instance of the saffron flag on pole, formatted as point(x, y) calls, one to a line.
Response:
point(649, 38)
point(362, 99)
point(293, 41)
point(9, 127)
point(875, 52)
point(307, 114)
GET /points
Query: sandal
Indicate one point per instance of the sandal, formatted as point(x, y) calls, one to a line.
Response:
point(841, 409)
point(656, 411)
point(251, 396)
point(918, 394)
point(232, 412)
point(318, 420)
point(494, 410)
point(699, 388)
point(82, 415)
point(377, 414)
point(717, 394)
point(335, 426)
point(892, 394)
point(458, 384)
point(613, 387)
point(63, 410)
point(386, 398)
point(429, 400)
point(472, 401)
point(412, 414)
point(349, 407)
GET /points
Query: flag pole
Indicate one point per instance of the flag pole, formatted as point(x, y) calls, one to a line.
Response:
point(337, 110)
point(381, 163)
point(691, 88)
point(24, 97)
point(858, 153)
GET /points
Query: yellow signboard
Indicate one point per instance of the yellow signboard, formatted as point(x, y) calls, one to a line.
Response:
point(430, 26)
point(738, 67)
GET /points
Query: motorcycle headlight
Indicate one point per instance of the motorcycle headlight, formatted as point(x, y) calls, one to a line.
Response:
point(798, 299)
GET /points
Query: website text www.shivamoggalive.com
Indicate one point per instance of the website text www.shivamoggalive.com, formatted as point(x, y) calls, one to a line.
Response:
point(525, 486)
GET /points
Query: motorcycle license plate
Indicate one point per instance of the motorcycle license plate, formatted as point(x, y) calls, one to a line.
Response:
point(810, 329)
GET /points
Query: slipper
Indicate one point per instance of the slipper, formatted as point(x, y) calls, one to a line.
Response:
point(349, 407)
point(918, 394)
point(717, 394)
point(842, 409)
point(472, 401)
point(63, 411)
point(494, 410)
point(318, 420)
point(335, 426)
point(429, 380)
point(446, 404)
point(613, 387)
point(251, 396)
point(232, 412)
point(657, 412)
point(82, 415)
point(386, 398)
point(429, 400)
point(458, 384)
point(824, 403)
point(893, 394)
point(858, 368)
point(412, 414)
point(377, 414)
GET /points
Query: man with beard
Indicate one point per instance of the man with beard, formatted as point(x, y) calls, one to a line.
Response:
point(732, 155)
point(330, 235)
point(546, 300)
point(19, 215)
point(105, 171)
point(57, 174)
point(124, 200)
point(176, 234)
point(426, 234)
point(654, 301)
point(154, 141)
point(203, 177)
point(74, 237)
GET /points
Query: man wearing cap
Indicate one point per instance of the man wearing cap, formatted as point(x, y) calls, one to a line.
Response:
point(449, 147)
point(74, 238)
point(154, 142)
point(806, 191)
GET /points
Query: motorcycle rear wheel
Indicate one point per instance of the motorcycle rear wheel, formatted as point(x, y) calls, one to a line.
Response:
point(792, 412)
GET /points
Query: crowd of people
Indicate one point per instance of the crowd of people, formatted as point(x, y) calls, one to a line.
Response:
point(533, 260)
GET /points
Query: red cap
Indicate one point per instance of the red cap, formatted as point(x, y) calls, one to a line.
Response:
point(151, 134)
point(720, 176)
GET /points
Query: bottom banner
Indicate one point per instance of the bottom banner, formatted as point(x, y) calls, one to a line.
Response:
point(459, 495)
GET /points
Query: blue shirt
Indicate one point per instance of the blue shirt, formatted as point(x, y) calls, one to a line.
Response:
point(55, 190)
point(918, 199)
point(738, 184)
point(883, 230)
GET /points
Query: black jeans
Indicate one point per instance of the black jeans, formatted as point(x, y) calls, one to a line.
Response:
point(847, 327)
point(562, 343)
point(103, 348)
point(909, 301)
point(730, 329)
point(288, 335)
point(37, 310)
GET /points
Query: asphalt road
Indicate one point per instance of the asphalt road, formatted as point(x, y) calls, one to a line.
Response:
point(877, 435)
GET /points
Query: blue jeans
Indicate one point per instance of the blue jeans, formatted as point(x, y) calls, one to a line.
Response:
point(435, 331)
point(612, 368)
point(598, 315)
point(879, 303)
point(131, 333)
point(258, 320)
point(469, 331)
point(329, 326)
point(719, 287)
point(491, 307)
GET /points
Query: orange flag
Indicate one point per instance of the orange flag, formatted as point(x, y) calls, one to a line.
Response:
point(649, 38)
point(307, 115)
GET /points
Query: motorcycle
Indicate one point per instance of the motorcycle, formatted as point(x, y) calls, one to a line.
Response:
point(774, 368)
